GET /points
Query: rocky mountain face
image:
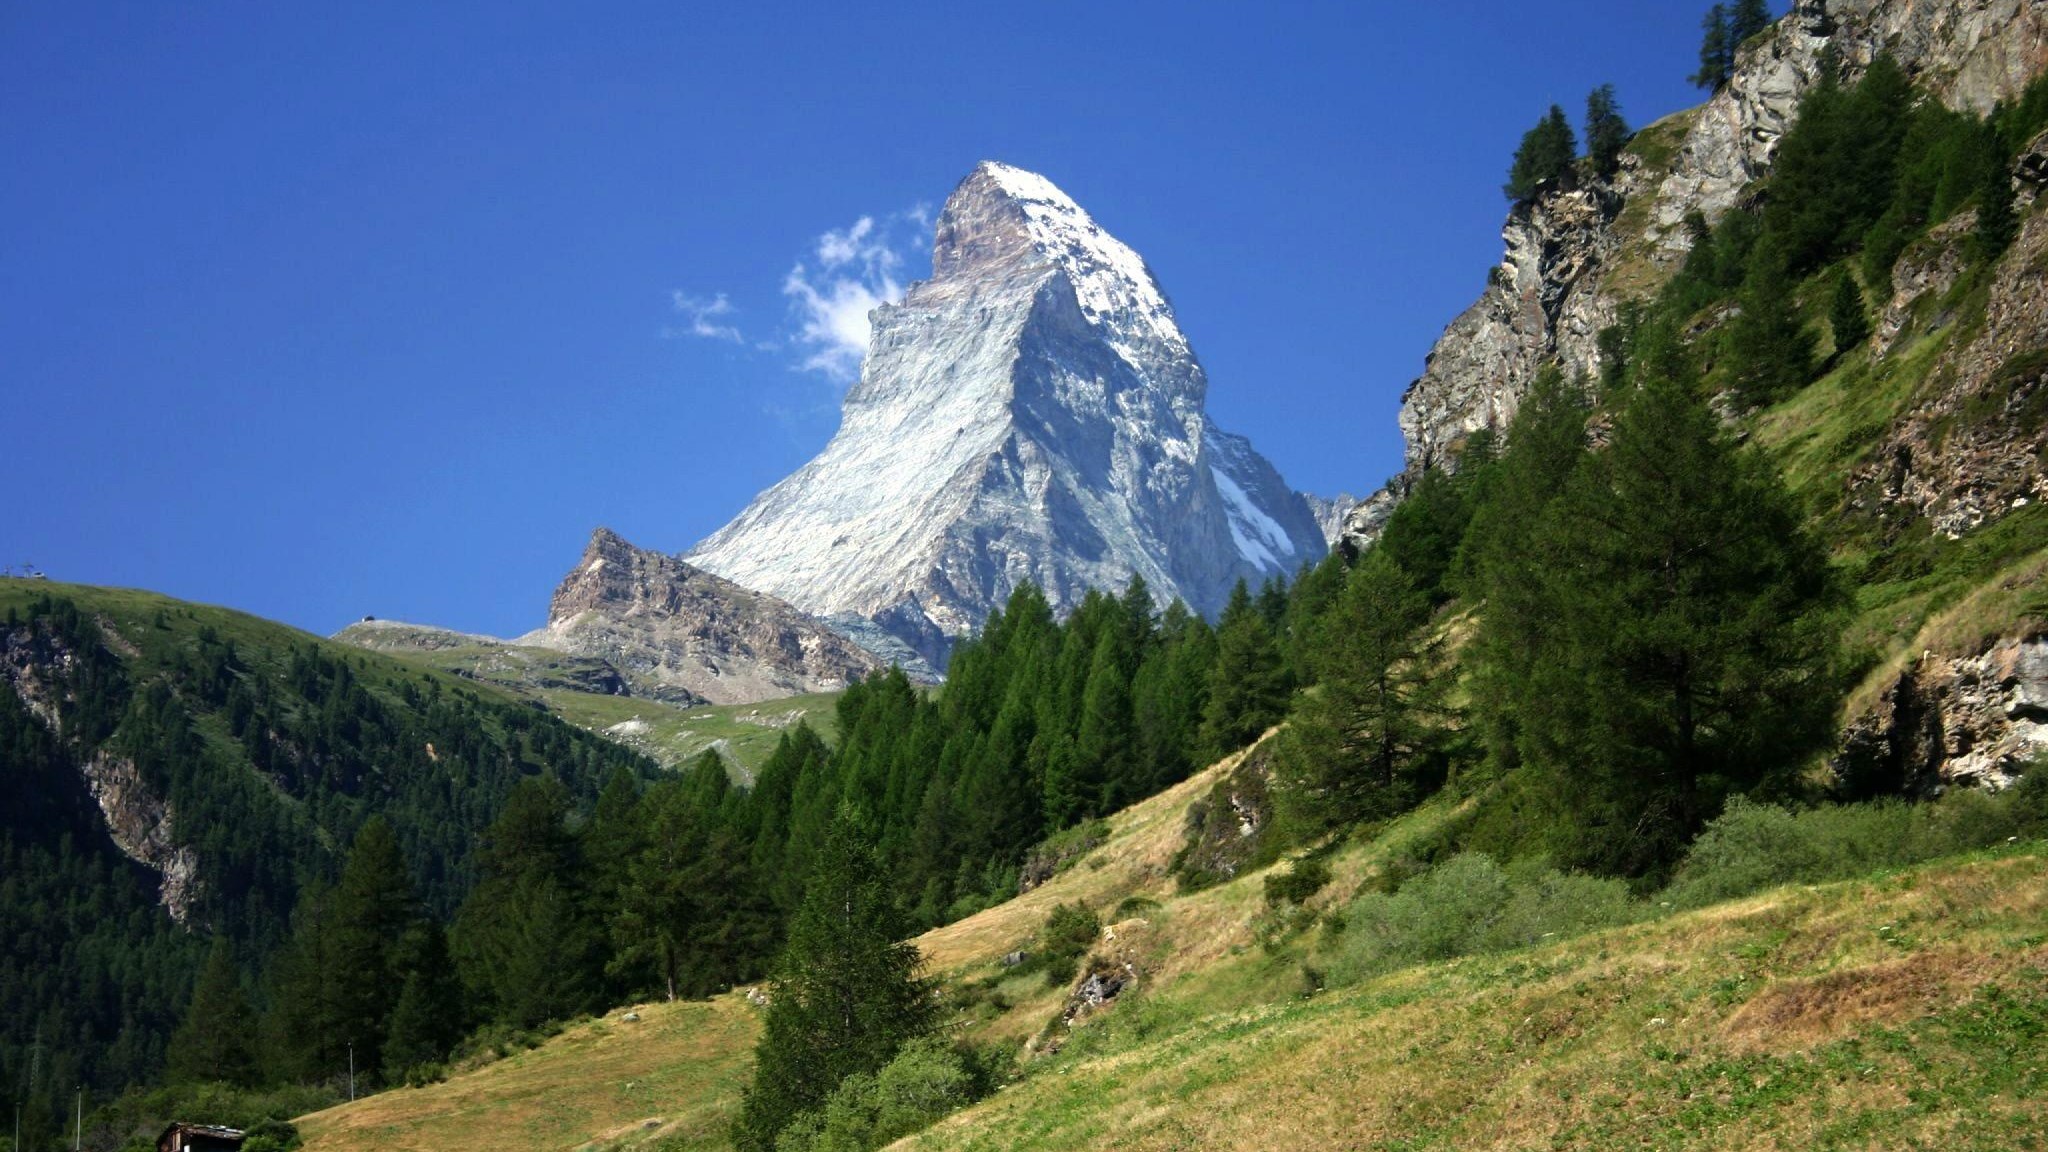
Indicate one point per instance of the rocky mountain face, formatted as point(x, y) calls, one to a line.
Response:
point(679, 634)
point(1574, 254)
point(1971, 447)
point(1032, 412)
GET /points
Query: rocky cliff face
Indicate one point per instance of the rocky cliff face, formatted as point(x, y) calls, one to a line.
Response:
point(680, 634)
point(1976, 448)
point(138, 820)
point(1979, 719)
point(1031, 412)
point(1574, 254)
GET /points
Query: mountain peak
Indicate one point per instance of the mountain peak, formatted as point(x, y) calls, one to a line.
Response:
point(1030, 413)
point(1002, 213)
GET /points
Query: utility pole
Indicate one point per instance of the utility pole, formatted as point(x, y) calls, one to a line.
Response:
point(351, 1071)
point(78, 1125)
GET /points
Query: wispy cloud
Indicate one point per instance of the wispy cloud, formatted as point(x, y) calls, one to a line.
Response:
point(707, 319)
point(853, 270)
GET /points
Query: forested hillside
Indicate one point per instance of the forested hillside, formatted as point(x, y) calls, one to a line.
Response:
point(185, 778)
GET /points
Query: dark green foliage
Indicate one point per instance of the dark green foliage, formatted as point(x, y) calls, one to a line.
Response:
point(1997, 222)
point(1834, 173)
point(1675, 642)
point(1746, 18)
point(685, 919)
point(1248, 686)
point(1545, 158)
point(1423, 535)
point(1504, 550)
point(927, 1080)
point(1070, 931)
point(1308, 876)
point(1846, 315)
point(426, 1021)
point(1361, 745)
point(847, 996)
point(1717, 49)
point(371, 912)
point(217, 1041)
point(525, 941)
point(1753, 846)
point(1606, 132)
point(1770, 350)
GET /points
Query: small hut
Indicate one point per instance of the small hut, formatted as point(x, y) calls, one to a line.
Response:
point(181, 1137)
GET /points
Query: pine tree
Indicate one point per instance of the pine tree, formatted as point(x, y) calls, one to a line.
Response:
point(524, 940)
point(1997, 224)
point(427, 1019)
point(1689, 641)
point(1745, 19)
point(1770, 349)
point(216, 1042)
point(1248, 686)
point(372, 908)
point(1106, 745)
point(1359, 744)
point(1606, 132)
point(1846, 316)
point(1717, 49)
point(847, 995)
point(1545, 158)
point(1546, 441)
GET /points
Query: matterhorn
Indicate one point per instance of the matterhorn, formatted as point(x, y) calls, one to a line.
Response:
point(1032, 412)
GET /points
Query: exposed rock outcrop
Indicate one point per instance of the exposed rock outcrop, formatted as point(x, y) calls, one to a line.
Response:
point(138, 820)
point(1032, 412)
point(1980, 719)
point(680, 634)
point(1975, 448)
point(1575, 253)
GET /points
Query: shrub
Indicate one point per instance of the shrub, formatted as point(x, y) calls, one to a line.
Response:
point(927, 1080)
point(1751, 847)
point(1294, 886)
point(1069, 932)
point(1467, 905)
point(1131, 906)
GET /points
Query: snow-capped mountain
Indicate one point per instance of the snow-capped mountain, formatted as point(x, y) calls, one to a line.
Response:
point(1031, 412)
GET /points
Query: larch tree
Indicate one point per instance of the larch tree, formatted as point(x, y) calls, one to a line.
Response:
point(846, 996)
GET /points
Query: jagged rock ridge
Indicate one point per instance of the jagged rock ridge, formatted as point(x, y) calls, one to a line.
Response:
point(673, 630)
point(1032, 412)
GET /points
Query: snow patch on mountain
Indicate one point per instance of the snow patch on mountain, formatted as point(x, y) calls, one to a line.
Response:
point(1032, 412)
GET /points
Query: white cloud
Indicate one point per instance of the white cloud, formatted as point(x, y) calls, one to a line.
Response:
point(857, 270)
point(706, 318)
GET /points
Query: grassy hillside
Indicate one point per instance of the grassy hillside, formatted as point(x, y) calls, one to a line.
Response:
point(581, 690)
point(673, 1076)
point(1902, 1010)
point(744, 733)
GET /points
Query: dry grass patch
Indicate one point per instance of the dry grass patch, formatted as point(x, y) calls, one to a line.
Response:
point(674, 1076)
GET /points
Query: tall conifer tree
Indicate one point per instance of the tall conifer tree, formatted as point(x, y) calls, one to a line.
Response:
point(847, 994)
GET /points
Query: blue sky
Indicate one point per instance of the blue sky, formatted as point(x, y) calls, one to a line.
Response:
point(319, 311)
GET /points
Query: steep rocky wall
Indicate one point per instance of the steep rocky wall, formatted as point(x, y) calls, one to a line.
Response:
point(1975, 448)
point(1574, 254)
point(140, 822)
point(1979, 719)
